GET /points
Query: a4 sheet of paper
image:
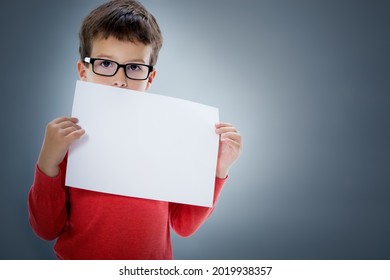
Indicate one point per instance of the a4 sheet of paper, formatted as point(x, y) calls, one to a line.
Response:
point(143, 145)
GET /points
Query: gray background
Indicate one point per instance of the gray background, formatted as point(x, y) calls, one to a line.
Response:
point(306, 83)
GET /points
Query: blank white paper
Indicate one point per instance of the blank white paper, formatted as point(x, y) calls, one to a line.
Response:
point(143, 145)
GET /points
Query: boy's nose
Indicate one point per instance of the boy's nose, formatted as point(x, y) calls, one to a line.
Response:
point(120, 79)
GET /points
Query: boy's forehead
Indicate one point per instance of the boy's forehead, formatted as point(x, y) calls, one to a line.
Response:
point(121, 50)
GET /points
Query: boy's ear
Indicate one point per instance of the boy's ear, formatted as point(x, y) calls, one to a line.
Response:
point(81, 68)
point(152, 75)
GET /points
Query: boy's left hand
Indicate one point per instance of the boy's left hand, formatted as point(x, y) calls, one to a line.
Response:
point(229, 148)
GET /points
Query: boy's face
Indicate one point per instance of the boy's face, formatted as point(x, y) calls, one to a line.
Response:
point(122, 52)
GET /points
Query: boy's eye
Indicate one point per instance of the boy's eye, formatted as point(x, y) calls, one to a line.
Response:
point(133, 67)
point(106, 63)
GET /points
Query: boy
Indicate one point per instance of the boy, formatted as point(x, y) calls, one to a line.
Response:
point(119, 45)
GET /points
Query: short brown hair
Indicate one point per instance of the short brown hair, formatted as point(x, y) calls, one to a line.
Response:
point(126, 20)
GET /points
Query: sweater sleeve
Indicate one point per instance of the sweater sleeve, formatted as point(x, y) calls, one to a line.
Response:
point(185, 219)
point(47, 203)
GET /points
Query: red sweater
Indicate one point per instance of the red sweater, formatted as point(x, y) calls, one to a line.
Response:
point(94, 225)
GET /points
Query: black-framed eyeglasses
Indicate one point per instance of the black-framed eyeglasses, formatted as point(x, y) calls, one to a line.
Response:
point(106, 67)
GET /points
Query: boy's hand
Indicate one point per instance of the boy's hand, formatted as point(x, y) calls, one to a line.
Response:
point(60, 133)
point(229, 147)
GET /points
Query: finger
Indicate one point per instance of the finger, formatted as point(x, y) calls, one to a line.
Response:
point(66, 119)
point(226, 129)
point(73, 119)
point(59, 120)
point(62, 119)
point(66, 124)
point(76, 134)
point(231, 135)
point(232, 143)
point(68, 130)
point(222, 124)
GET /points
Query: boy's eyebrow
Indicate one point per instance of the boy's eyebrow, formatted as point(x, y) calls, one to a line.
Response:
point(137, 60)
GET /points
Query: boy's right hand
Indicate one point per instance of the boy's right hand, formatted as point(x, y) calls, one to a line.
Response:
point(60, 133)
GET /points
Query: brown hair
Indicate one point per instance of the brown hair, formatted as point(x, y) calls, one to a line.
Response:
point(126, 20)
